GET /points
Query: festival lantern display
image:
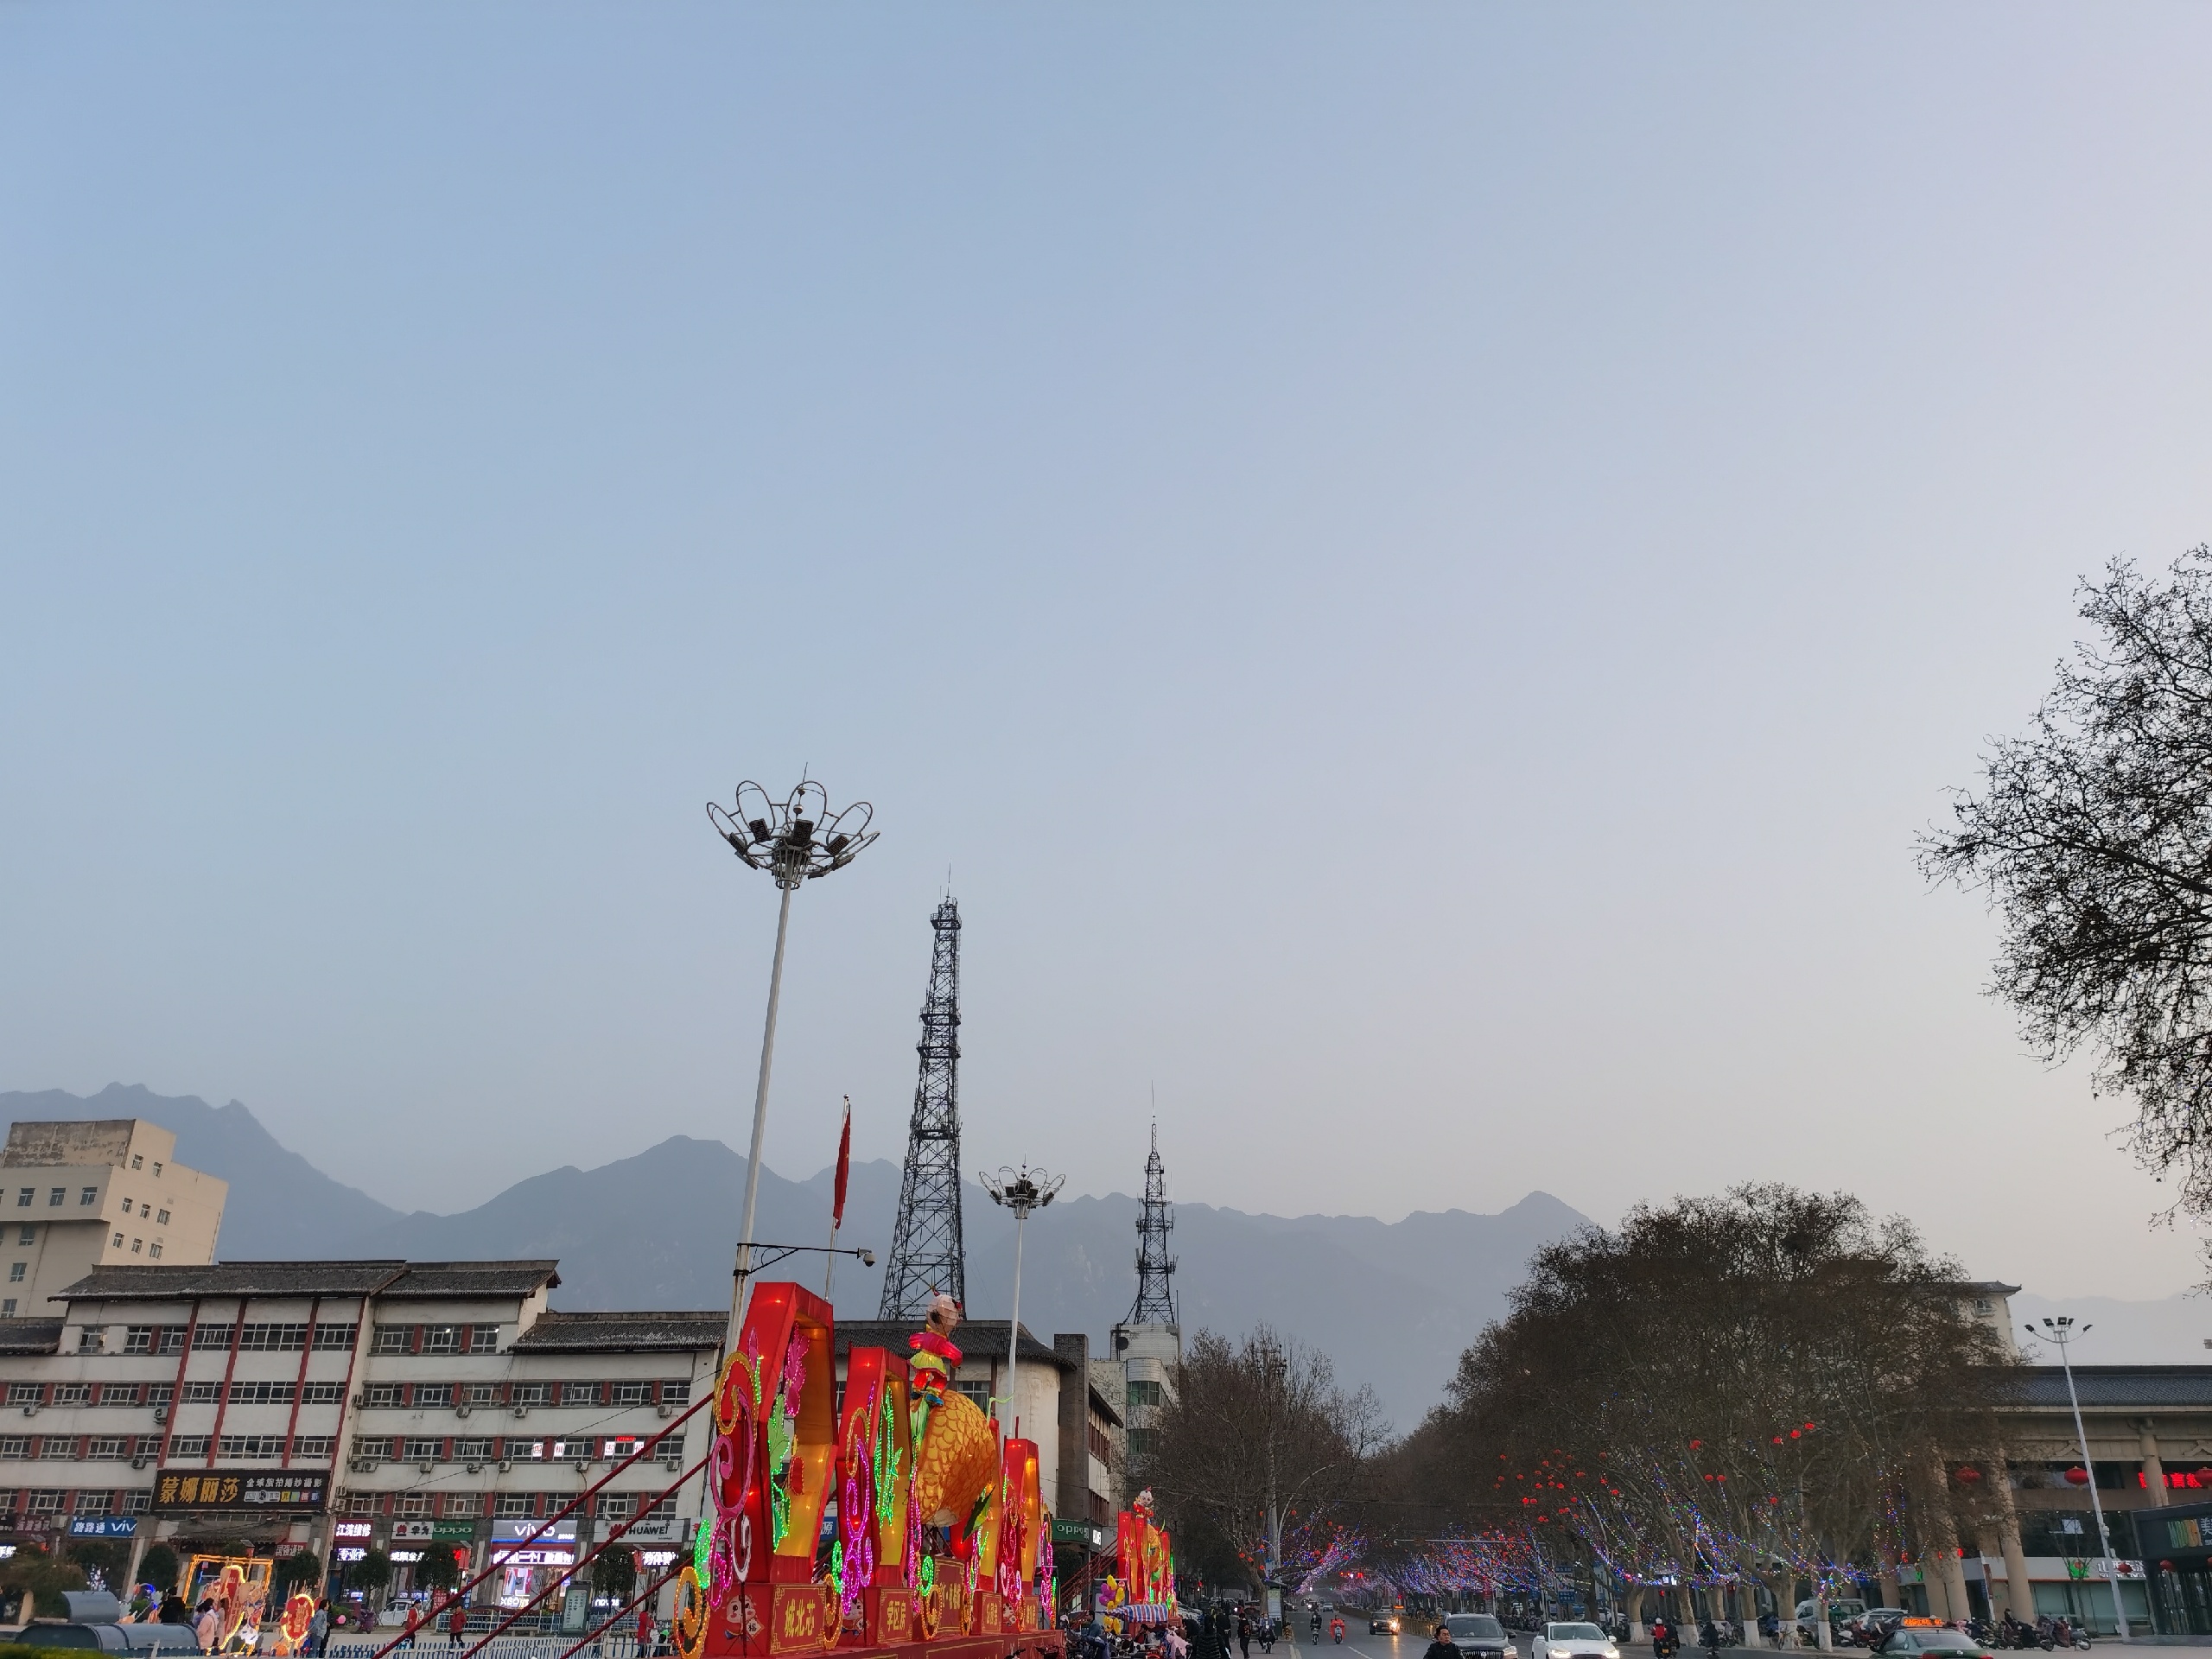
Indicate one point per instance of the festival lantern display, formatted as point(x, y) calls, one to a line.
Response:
point(1143, 1591)
point(909, 1461)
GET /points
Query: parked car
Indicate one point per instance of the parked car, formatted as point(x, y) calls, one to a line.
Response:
point(1560, 1641)
point(1480, 1636)
point(1919, 1636)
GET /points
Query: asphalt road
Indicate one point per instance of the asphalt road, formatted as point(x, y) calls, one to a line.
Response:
point(1357, 1641)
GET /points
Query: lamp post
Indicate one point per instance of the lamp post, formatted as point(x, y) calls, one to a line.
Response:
point(2062, 1330)
point(797, 839)
point(1019, 1191)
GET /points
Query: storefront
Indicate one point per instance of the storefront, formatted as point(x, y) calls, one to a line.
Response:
point(529, 1557)
point(2176, 1545)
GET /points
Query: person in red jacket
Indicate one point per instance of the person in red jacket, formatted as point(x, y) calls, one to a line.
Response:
point(457, 1621)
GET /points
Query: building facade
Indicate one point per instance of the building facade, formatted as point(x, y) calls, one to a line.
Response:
point(105, 1193)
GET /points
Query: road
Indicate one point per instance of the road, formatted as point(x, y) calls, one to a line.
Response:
point(1407, 1645)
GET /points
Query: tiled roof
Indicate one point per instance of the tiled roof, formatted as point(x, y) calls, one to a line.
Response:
point(975, 1338)
point(568, 1333)
point(30, 1336)
point(476, 1278)
point(378, 1278)
point(2044, 1386)
point(151, 1283)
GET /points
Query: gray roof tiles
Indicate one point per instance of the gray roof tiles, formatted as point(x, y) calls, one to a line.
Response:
point(975, 1338)
point(568, 1333)
point(378, 1278)
point(30, 1336)
point(2117, 1386)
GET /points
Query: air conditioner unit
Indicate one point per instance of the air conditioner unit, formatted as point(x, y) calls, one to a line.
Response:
point(522, 1411)
point(424, 1468)
point(30, 1411)
point(160, 1414)
point(506, 1466)
point(666, 1408)
point(462, 1410)
point(138, 1463)
point(475, 1468)
point(360, 1465)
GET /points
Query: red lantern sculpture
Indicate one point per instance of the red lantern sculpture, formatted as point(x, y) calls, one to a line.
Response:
point(1968, 1474)
point(2077, 1475)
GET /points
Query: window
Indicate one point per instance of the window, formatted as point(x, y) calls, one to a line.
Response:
point(1140, 1443)
point(139, 1502)
point(92, 1503)
point(381, 1394)
point(624, 1445)
point(617, 1506)
point(675, 1394)
point(26, 1394)
point(137, 1338)
point(322, 1393)
point(1143, 1394)
point(213, 1336)
point(412, 1506)
point(118, 1240)
point(394, 1338)
point(16, 1270)
point(109, 1446)
point(137, 1160)
point(582, 1451)
point(89, 1195)
point(45, 1503)
point(434, 1394)
point(8, 1308)
point(15, 1445)
point(525, 1451)
point(517, 1506)
point(73, 1393)
point(164, 1217)
point(160, 1393)
point(312, 1446)
point(376, 1448)
point(168, 1339)
point(188, 1446)
point(441, 1338)
point(136, 1245)
point(531, 1394)
point(57, 1198)
point(471, 1451)
point(126, 1206)
point(979, 1390)
point(484, 1339)
point(91, 1339)
point(633, 1394)
point(156, 1251)
point(336, 1338)
point(580, 1394)
point(201, 1393)
point(261, 1394)
point(58, 1445)
point(425, 1450)
point(157, 1172)
point(119, 1393)
point(150, 1445)
point(672, 1450)
point(24, 1196)
point(482, 1393)
point(25, 1234)
point(360, 1504)
point(250, 1447)
point(272, 1338)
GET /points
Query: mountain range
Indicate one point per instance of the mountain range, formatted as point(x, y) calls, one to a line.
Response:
point(1392, 1303)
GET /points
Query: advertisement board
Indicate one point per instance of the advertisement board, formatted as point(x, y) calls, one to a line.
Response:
point(189, 1491)
point(104, 1526)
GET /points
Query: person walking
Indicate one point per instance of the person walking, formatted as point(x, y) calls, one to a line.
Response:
point(207, 1625)
point(1244, 1634)
point(457, 1621)
point(318, 1628)
point(1442, 1647)
point(645, 1631)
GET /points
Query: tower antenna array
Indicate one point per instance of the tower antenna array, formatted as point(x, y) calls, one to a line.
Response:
point(1155, 1303)
point(927, 1253)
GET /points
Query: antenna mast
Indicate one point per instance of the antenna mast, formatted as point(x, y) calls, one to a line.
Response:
point(1155, 1303)
point(926, 1251)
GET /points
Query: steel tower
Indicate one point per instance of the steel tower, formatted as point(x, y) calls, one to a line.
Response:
point(926, 1251)
point(1155, 1303)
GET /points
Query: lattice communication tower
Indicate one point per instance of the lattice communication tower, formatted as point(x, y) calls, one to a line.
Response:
point(926, 1251)
point(1155, 1303)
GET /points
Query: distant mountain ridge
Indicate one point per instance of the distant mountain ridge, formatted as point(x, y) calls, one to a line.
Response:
point(1392, 1303)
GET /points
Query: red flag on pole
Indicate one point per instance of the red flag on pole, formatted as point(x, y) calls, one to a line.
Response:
point(844, 1167)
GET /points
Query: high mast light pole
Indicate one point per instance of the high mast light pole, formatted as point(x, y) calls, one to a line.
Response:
point(1020, 1191)
point(794, 840)
point(2062, 1331)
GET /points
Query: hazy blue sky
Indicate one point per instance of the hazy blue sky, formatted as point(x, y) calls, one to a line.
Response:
point(1420, 565)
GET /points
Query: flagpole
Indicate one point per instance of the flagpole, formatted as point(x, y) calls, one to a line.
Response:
point(837, 1197)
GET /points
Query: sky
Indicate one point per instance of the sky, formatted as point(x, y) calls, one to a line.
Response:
point(1416, 569)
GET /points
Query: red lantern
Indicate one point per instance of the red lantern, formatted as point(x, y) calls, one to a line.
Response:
point(1968, 1474)
point(2077, 1475)
point(2204, 1477)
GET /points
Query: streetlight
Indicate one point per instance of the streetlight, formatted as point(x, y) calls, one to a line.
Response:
point(2061, 1332)
point(795, 839)
point(1019, 1191)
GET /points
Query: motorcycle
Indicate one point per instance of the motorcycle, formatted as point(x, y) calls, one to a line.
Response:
point(1666, 1642)
point(1337, 1632)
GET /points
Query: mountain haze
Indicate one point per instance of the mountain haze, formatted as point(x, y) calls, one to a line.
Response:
point(1392, 1303)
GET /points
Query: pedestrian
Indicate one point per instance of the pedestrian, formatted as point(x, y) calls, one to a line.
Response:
point(457, 1623)
point(1442, 1647)
point(1244, 1634)
point(319, 1627)
point(645, 1631)
point(207, 1625)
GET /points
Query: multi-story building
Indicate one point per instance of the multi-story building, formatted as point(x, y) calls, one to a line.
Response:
point(78, 1196)
point(340, 1406)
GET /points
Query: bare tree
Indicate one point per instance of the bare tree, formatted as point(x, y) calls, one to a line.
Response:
point(1262, 1446)
point(2092, 835)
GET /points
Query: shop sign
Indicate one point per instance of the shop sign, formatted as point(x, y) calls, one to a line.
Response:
point(657, 1530)
point(454, 1532)
point(413, 1532)
point(104, 1526)
point(352, 1530)
point(1089, 1534)
point(563, 1531)
point(177, 1491)
point(533, 1557)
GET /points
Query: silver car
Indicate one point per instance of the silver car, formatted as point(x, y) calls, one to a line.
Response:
point(1480, 1636)
point(1573, 1642)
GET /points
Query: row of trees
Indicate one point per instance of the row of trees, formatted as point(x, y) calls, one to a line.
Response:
point(1768, 1386)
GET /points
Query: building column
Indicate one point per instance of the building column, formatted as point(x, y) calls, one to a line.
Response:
point(2154, 1470)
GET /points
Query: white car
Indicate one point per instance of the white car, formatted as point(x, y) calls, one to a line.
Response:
point(1573, 1642)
